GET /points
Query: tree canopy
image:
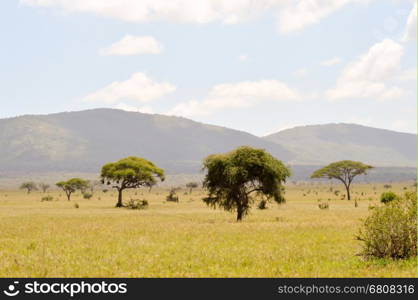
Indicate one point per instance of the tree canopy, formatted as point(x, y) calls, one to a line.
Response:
point(234, 178)
point(191, 186)
point(344, 171)
point(72, 185)
point(130, 173)
point(28, 186)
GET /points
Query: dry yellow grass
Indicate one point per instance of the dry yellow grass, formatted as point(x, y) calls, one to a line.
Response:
point(188, 239)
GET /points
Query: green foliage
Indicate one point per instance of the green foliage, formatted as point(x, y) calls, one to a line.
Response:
point(137, 204)
point(345, 171)
point(72, 185)
point(87, 195)
point(44, 187)
point(262, 205)
point(29, 186)
point(191, 186)
point(129, 173)
point(323, 205)
point(172, 196)
point(387, 197)
point(47, 198)
point(391, 230)
point(232, 179)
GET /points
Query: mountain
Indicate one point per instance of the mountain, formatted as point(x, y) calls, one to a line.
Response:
point(83, 141)
point(322, 144)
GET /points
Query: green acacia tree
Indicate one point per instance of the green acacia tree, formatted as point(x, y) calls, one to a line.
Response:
point(72, 185)
point(130, 173)
point(191, 186)
point(233, 178)
point(29, 186)
point(344, 171)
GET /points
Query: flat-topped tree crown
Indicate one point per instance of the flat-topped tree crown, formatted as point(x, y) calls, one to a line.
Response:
point(233, 177)
point(72, 185)
point(345, 171)
point(130, 173)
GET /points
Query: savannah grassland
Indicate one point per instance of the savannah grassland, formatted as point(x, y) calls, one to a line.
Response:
point(188, 239)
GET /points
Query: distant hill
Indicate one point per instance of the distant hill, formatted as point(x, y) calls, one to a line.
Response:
point(321, 144)
point(83, 141)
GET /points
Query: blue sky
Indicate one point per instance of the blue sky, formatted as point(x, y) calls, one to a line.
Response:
point(255, 67)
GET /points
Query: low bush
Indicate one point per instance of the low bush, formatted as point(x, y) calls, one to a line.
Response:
point(47, 198)
point(390, 231)
point(323, 205)
point(172, 196)
point(387, 197)
point(137, 204)
point(262, 204)
point(87, 195)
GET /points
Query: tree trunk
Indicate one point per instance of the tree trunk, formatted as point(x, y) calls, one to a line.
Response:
point(239, 213)
point(347, 187)
point(119, 203)
point(68, 196)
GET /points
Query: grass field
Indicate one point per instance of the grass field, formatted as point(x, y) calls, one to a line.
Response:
point(188, 239)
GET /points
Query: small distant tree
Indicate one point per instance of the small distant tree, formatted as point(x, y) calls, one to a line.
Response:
point(234, 178)
point(344, 171)
point(191, 186)
point(44, 187)
point(29, 186)
point(72, 185)
point(130, 173)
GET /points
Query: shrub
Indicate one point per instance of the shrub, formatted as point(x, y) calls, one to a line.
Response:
point(323, 205)
point(87, 195)
point(387, 186)
point(76, 205)
point(47, 198)
point(388, 197)
point(390, 231)
point(262, 204)
point(172, 196)
point(137, 204)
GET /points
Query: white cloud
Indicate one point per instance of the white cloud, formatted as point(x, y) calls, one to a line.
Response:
point(293, 15)
point(367, 76)
point(299, 14)
point(139, 87)
point(180, 11)
point(133, 45)
point(331, 62)
point(411, 25)
point(236, 95)
point(142, 109)
point(300, 73)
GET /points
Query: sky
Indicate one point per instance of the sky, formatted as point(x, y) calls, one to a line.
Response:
point(257, 66)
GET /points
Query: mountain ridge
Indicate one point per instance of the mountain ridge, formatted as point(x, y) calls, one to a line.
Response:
point(84, 140)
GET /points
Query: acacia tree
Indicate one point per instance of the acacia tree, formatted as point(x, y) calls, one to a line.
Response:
point(130, 173)
point(344, 171)
point(29, 186)
point(72, 185)
point(191, 186)
point(234, 178)
point(44, 187)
